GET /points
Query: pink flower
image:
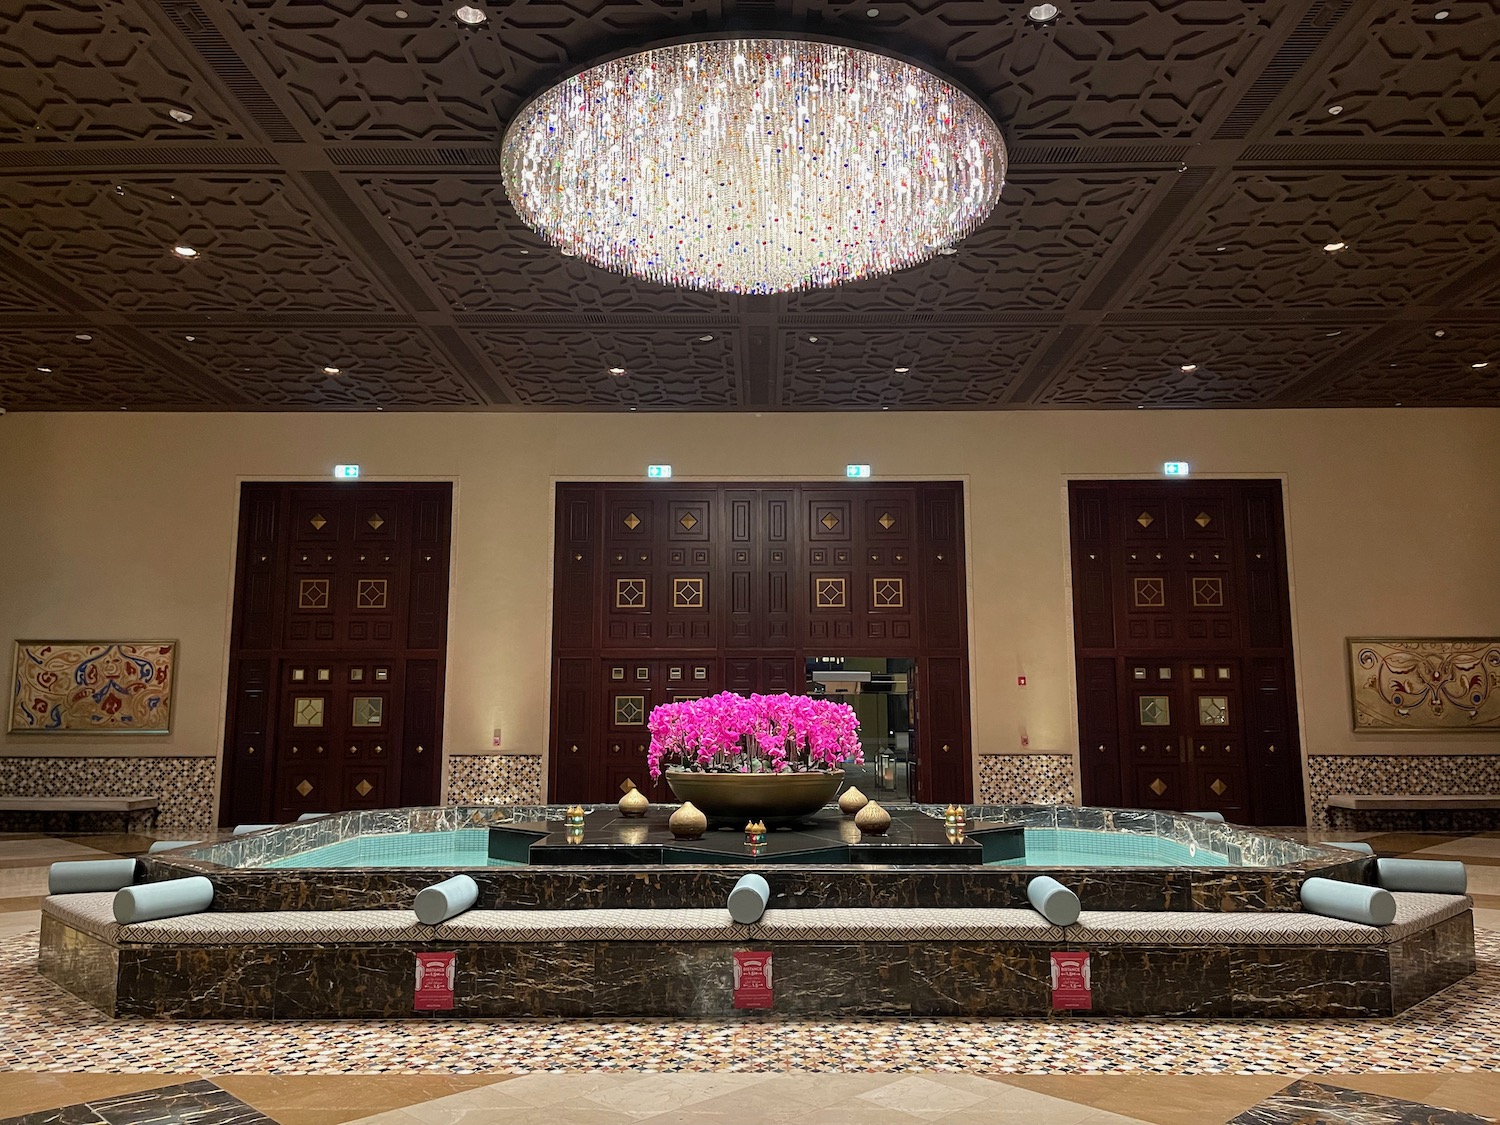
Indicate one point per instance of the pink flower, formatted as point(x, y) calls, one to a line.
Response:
point(763, 733)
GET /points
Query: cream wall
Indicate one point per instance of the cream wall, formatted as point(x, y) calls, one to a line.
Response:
point(122, 526)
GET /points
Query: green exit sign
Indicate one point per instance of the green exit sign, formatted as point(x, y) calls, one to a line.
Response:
point(345, 472)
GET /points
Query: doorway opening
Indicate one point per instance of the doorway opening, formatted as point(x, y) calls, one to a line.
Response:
point(882, 692)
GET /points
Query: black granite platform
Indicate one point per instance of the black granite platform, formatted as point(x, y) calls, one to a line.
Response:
point(607, 839)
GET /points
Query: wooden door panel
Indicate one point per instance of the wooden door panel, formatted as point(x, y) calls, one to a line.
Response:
point(1188, 578)
point(337, 587)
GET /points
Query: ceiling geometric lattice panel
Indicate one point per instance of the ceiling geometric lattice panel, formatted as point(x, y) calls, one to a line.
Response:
point(1176, 169)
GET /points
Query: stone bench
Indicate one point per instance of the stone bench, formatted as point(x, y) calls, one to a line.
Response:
point(1427, 808)
point(136, 812)
point(849, 961)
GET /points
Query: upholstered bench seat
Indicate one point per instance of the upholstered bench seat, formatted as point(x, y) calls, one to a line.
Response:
point(93, 914)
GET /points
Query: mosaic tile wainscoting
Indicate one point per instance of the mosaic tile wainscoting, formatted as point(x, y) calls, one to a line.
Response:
point(1449, 774)
point(185, 786)
point(494, 779)
point(1026, 779)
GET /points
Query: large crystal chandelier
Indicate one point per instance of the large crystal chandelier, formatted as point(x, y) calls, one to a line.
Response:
point(753, 165)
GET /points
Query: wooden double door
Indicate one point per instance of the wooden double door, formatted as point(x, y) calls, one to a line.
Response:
point(670, 591)
point(1184, 654)
point(338, 648)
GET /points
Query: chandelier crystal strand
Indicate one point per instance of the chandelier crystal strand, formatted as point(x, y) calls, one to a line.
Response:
point(753, 165)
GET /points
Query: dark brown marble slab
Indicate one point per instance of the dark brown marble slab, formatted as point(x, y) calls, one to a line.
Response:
point(199, 1102)
point(79, 962)
point(1321, 1103)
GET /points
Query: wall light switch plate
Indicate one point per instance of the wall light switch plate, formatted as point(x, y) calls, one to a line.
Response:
point(495, 740)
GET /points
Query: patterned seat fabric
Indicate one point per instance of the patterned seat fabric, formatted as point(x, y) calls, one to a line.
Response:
point(93, 913)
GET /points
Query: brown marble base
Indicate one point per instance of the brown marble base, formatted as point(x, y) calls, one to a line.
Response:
point(651, 978)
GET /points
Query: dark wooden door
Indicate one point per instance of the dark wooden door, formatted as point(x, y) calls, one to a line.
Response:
point(665, 592)
point(1186, 748)
point(338, 649)
point(1183, 642)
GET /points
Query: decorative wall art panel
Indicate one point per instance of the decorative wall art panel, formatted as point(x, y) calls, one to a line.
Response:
point(1448, 684)
point(106, 687)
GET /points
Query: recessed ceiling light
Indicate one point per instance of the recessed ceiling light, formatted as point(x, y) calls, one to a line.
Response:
point(181, 116)
point(190, 339)
point(947, 251)
point(400, 15)
point(525, 251)
point(84, 336)
point(1335, 110)
point(471, 15)
point(885, 408)
point(872, 12)
point(812, 339)
point(617, 371)
point(184, 251)
point(903, 370)
point(1188, 368)
point(1440, 333)
point(1335, 332)
point(1335, 247)
point(704, 339)
point(45, 370)
point(1440, 14)
point(1480, 366)
point(331, 370)
point(1221, 249)
point(1042, 13)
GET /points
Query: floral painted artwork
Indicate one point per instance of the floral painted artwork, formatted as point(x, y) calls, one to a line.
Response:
point(1425, 685)
point(107, 687)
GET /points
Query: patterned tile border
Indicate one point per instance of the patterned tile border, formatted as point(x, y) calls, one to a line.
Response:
point(185, 786)
point(1035, 779)
point(43, 1028)
point(1384, 773)
point(494, 779)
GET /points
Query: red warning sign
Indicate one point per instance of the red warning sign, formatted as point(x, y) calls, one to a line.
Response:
point(1072, 983)
point(752, 980)
point(435, 972)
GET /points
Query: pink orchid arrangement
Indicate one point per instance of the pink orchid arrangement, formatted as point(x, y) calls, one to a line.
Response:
point(729, 733)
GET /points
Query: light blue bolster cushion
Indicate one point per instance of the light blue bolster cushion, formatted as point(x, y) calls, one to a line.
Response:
point(747, 902)
point(1216, 817)
point(1435, 876)
point(312, 816)
point(149, 901)
point(1053, 901)
point(90, 875)
point(1353, 902)
point(1350, 846)
point(169, 845)
point(246, 829)
point(442, 901)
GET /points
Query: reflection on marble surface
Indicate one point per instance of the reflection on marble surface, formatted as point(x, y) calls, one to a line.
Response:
point(1318, 1103)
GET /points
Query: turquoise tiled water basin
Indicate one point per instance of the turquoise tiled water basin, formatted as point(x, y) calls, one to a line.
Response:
point(466, 847)
point(1077, 847)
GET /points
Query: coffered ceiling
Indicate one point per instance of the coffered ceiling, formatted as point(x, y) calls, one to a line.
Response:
point(1177, 167)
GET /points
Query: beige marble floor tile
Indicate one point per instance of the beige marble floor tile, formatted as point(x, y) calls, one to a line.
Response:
point(1207, 1099)
point(45, 850)
point(22, 1093)
point(328, 1099)
point(1486, 919)
point(20, 922)
point(1478, 1092)
point(19, 882)
point(509, 1115)
point(930, 1096)
point(1467, 845)
point(1398, 843)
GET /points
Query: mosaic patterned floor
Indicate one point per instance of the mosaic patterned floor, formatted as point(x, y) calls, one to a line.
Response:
point(1438, 1063)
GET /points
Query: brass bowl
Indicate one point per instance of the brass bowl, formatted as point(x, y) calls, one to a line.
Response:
point(734, 798)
